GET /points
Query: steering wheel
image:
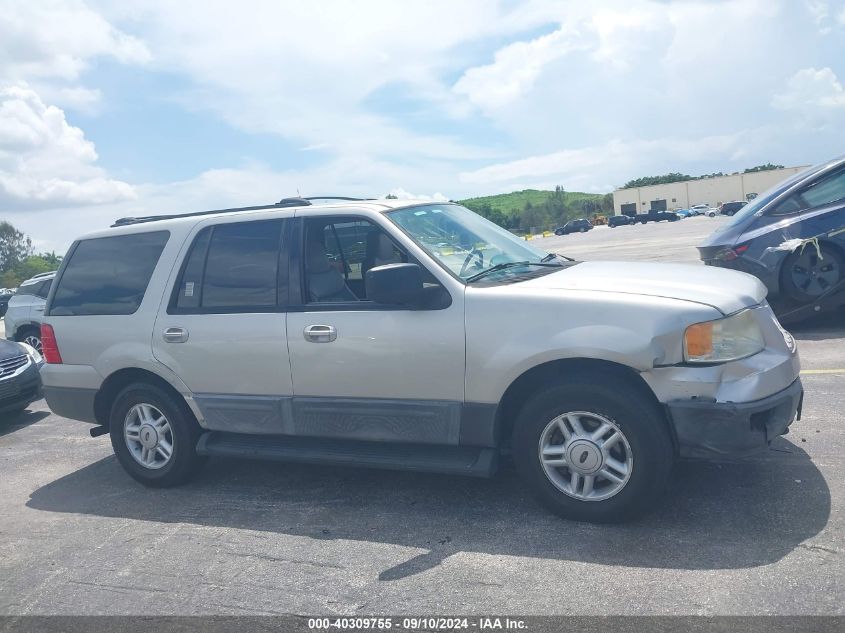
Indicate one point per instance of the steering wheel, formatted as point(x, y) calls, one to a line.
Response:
point(473, 253)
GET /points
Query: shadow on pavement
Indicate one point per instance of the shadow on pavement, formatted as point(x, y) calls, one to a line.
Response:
point(10, 424)
point(717, 515)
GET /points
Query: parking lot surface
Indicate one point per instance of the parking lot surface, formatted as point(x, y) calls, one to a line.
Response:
point(758, 536)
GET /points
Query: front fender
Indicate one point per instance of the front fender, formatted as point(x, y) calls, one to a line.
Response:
point(510, 332)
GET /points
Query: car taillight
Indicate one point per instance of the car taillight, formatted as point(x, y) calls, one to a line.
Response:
point(730, 254)
point(49, 347)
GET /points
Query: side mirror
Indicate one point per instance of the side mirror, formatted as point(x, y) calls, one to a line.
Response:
point(394, 284)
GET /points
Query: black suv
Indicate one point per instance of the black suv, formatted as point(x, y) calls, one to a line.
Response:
point(580, 225)
point(729, 208)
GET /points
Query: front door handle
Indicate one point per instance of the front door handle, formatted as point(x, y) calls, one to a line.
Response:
point(320, 333)
point(175, 335)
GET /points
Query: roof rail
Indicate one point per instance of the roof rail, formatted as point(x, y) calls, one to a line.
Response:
point(49, 272)
point(284, 202)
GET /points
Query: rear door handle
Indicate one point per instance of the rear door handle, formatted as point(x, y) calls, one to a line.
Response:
point(320, 333)
point(175, 335)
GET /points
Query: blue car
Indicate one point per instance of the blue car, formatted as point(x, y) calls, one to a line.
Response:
point(792, 238)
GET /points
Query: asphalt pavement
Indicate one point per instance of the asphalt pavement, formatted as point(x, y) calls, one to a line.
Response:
point(757, 536)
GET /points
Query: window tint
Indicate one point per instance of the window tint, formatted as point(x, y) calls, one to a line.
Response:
point(828, 189)
point(108, 275)
point(231, 267)
point(36, 289)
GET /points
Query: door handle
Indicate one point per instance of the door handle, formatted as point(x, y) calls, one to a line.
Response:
point(175, 335)
point(320, 333)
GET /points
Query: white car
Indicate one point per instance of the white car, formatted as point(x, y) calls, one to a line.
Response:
point(410, 335)
point(704, 209)
point(26, 310)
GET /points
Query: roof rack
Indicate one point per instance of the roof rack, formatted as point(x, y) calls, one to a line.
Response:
point(284, 202)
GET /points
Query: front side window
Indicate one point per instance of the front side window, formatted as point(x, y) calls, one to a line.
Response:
point(338, 252)
point(231, 268)
point(107, 275)
point(468, 245)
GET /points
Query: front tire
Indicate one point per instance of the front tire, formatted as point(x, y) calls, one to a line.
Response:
point(591, 452)
point(31, 337)
point(154, 436)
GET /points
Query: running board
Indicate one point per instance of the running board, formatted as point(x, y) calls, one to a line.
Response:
point(450, 460)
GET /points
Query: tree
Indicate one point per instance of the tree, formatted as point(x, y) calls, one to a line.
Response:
point(14, 247)
point(391, 196)
point(766, 167)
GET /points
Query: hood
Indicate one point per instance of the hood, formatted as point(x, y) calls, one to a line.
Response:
point(726, 290)
point(8, 349)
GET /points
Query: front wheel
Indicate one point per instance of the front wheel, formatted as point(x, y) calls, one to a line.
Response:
point(591, 452)
point(154, 437)
point(31, 337)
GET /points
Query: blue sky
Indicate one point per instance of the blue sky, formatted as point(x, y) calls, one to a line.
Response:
point(111, 109)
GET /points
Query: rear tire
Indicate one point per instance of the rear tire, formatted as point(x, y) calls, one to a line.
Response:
point(805, 276)
point(643, 446)
point(154, 436)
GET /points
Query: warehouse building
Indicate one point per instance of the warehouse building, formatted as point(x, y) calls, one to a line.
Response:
point(687, 193)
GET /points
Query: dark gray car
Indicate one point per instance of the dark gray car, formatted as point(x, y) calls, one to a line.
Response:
point(791, 237)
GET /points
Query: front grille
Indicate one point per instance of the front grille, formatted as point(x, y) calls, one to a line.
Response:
point(9, 366)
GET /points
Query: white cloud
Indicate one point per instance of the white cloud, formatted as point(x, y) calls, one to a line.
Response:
point(44, 161)
point(811, 89)
point(403, 194)
point(57, 39)
point(515, 69)
point(606, 165)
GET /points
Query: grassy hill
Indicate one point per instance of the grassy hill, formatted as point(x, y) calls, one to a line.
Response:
point(513, 203)
point(537, 208)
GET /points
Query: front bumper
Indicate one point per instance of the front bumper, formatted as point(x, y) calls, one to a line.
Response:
point(18, 391)
point(728, 429)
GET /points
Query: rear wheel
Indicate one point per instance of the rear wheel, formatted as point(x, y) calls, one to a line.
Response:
point(591, 452)
point(808, 272)
point(154, 437)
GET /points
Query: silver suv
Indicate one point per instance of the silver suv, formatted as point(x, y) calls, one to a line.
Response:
point(409, 335)
point(26, 310)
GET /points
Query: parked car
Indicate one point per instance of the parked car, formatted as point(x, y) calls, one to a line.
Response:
point(618, 220)
point(703, 209)
point(234, 333)
point(5, 295)
point(20, 383)
point(26, 310)
point(791, 237)
point(581, 225)
point(730, 208)
point(656, 216)
point(684, 213)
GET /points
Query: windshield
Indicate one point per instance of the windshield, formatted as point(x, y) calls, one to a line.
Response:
point(466, 243)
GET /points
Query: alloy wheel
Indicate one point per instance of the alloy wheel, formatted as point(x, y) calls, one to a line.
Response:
point(586, 455)
point(148, 436)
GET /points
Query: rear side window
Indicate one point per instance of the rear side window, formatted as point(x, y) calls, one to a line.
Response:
point(108, 275)
point(38, 289)
point(231, 268)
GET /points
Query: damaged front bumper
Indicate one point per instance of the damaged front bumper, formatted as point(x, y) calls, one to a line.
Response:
point(713, 429)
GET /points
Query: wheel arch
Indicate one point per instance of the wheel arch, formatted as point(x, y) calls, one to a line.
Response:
point(122, 378)
point(553, 372)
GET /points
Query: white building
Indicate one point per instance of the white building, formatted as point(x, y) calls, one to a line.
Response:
point(712, 191)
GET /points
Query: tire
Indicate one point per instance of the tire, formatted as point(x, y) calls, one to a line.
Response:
point(645, 440)
point(31, 337)
point(582, 230)
point(805, 276)
point(137, 409)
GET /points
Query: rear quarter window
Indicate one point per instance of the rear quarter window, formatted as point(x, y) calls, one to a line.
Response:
point(108, 275)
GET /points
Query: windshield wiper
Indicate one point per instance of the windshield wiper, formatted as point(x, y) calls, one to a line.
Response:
point(506, 265)
point(551, 256)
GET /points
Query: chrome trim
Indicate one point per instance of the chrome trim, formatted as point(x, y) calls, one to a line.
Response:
point(13, 365)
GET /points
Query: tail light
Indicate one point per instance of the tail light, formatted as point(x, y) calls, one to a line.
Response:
point(730, 254)
point(49, 347)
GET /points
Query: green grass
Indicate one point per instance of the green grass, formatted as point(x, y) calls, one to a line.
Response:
point(513, 203)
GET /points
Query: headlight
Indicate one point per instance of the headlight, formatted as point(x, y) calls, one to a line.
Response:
point(723, 340)
point(32, 353)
